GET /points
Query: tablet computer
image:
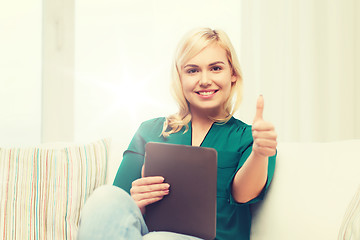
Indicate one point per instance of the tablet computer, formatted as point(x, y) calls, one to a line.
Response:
point(190, 206)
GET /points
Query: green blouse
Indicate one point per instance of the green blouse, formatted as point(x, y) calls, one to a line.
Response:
point(233, 142)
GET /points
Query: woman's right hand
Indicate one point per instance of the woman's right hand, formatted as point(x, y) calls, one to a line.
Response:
point(147, 190)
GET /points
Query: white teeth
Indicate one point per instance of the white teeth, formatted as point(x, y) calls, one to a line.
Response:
point(206, 93)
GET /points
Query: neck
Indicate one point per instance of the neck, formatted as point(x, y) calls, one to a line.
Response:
point(206, 117)
point(201, 120)
point(200, 126)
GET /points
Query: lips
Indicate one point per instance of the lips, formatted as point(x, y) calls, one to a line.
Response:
point(206, 92)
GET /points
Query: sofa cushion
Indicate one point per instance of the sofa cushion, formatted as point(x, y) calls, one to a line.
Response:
point(43, 188)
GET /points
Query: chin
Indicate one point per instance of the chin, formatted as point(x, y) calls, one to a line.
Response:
point(210, 110)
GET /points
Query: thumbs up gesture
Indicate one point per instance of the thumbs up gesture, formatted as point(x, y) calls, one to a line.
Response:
point(263, 132)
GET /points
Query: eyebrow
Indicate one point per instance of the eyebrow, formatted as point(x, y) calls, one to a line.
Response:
point(211, 64)
point(218, 62)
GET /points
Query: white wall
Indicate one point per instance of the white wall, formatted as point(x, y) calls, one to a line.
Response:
point(58, 71)
point(123, 51)
point(20, 72)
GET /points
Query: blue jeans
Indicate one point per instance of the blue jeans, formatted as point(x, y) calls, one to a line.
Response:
point(110, 213)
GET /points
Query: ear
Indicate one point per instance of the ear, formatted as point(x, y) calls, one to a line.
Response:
point(234, 78)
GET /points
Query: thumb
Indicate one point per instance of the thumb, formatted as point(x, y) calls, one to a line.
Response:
point(259, 108)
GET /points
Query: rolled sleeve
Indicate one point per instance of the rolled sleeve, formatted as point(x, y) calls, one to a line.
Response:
point(247, 143)
point(132, 162)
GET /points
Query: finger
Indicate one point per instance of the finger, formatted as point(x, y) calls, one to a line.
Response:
point(148, 181)
point(264, 134)
point(259, 108)
point(145, 202)
point(267, 143)
point(148, 195)
point(266, 151)
point(262, 125)
point(149, 188)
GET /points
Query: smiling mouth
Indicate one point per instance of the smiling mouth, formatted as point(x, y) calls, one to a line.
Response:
point(206, 93)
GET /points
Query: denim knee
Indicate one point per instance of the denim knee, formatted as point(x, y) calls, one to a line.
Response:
point(109, 199)
point(109, 194)
point(111, 212)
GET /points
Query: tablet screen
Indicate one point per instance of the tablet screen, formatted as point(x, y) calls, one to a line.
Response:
point(190, 206)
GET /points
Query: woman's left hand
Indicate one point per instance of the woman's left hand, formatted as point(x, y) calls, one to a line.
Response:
point(264, 135)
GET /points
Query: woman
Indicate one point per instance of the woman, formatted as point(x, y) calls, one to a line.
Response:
point(207, 84)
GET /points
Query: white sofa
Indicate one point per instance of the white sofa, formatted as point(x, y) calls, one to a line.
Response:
point(312, 188)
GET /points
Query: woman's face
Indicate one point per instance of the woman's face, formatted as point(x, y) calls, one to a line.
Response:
point(206, 80)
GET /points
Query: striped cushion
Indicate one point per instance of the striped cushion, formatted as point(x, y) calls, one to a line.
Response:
point(42, 189)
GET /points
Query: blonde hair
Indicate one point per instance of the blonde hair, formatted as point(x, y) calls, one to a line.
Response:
point(191, 45)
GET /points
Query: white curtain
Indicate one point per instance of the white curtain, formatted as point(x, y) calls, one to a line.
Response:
point(304, 57)
point(20, 72)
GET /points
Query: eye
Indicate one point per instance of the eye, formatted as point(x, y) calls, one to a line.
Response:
point(192, 71)
point(216, 68)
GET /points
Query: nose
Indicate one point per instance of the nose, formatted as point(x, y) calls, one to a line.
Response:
point(205, 80)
